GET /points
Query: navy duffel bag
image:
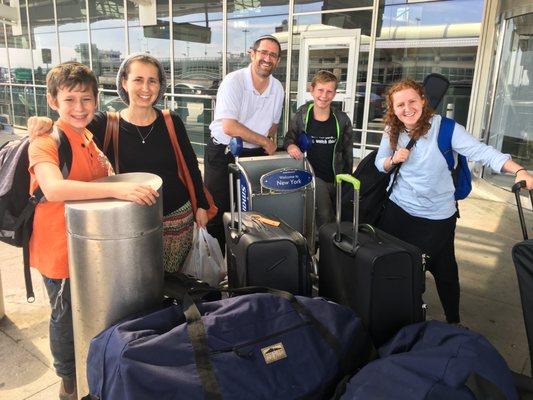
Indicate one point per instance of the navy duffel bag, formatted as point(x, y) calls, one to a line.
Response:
point(434, 361)
point(253, 346)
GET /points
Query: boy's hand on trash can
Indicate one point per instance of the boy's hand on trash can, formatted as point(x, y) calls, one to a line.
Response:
point(294, 152)
point(140, 194)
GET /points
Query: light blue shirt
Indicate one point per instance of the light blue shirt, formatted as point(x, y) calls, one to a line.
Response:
point(424, 187)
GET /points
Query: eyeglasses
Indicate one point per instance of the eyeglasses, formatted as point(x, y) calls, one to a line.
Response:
point(265, 53)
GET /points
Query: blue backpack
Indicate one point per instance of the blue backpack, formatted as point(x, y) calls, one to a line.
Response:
point(462, 178)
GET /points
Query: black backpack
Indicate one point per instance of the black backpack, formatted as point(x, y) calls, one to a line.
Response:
point(16, 205)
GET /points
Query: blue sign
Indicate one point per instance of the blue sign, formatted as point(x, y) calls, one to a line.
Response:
point(244, 193)
point(286, 180)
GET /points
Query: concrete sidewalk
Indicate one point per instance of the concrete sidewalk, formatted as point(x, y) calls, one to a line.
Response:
point(490, 302)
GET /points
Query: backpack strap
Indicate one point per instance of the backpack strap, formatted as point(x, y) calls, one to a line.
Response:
point(396, 168)
point(111, 133)
point(444, 140)
point(64, 151)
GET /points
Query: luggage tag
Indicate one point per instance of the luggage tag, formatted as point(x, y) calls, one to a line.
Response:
point(264, 220)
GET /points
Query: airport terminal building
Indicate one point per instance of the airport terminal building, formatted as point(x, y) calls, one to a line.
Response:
point(484, 47)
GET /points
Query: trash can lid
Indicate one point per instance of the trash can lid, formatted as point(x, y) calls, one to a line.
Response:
point(114, 218)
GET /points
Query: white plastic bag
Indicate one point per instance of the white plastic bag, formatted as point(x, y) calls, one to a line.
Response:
point(205, 260)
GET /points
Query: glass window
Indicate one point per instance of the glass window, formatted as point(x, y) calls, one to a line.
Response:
point(110, 101)
point(4, 67)
point(108, 40)
point(197, 66)
point(42, 105)
point(150, 39)
point(44, 39)
point(73, 35)
point(413, 42)
point(23, 103)
point(19, 51)
point(335, 59)
point(249, 20)
point(5, 101)
point(511, 122)
point(308, 6)
point(20, 58)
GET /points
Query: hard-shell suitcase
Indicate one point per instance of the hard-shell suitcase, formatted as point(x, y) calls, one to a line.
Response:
point(263, 251)
point(523, 261)
point(376, 274)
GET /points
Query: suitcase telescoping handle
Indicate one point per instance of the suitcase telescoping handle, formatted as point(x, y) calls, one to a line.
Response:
point(516, 190)
point(355, 222)
point(234, 170)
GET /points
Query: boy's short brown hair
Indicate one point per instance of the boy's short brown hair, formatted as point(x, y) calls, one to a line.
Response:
point(69, 75)
point(324, 76)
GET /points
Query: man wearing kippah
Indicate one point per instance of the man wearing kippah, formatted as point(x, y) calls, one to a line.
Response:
point(249, 104)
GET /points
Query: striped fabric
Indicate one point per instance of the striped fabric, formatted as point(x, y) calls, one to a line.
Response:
point(177, 237)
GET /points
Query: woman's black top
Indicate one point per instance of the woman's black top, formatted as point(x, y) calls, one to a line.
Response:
point(155, 156)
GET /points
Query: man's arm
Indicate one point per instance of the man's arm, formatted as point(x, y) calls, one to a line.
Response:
point(232, 127)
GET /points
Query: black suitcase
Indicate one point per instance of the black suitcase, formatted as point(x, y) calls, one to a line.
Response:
point(523, 261)
point(261, 254)
point(379, 276)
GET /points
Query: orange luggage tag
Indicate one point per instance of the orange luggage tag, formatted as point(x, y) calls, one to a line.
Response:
point(264, 220)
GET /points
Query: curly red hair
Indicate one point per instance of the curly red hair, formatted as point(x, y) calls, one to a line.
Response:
point(394, 125)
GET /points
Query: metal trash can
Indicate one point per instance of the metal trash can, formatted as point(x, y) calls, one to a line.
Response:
point(115, 252)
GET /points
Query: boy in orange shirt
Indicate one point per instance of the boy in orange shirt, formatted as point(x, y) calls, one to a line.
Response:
point(72, 91)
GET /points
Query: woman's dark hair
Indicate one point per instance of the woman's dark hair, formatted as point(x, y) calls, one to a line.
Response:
point(394, 125)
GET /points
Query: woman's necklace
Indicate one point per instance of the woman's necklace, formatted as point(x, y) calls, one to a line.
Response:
point(143, 138)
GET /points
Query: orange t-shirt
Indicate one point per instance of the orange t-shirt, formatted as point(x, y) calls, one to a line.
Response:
point(48, 242)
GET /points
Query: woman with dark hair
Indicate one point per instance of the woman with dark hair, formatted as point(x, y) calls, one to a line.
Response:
point(422, 209)
point(144, 145)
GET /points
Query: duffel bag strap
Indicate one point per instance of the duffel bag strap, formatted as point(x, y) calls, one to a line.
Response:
point(324, 332)
point(196, 331)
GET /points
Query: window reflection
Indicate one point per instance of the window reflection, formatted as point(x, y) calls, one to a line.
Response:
point(73, 35)
point(511, 120)
point(249, 20)
point(42, 105)
point(197, 66)
point(107, 35)
point(313, 5)
point(44, 41)
point(4, 67)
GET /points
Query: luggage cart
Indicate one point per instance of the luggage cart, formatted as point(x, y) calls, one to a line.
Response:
point(279, 186)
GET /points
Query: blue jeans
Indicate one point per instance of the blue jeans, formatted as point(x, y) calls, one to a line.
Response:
point(61, 335)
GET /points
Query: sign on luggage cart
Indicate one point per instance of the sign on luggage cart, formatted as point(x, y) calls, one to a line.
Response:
point(286, 179)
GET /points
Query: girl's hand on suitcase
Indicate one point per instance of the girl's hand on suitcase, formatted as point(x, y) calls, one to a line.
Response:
point(294, 152)
point(400, 156)
point(201, 218)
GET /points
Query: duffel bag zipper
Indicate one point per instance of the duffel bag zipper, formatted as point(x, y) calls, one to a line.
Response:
point(238, 349)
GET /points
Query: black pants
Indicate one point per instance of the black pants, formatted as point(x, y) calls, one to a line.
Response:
point(216, 179)
point(436, 239)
